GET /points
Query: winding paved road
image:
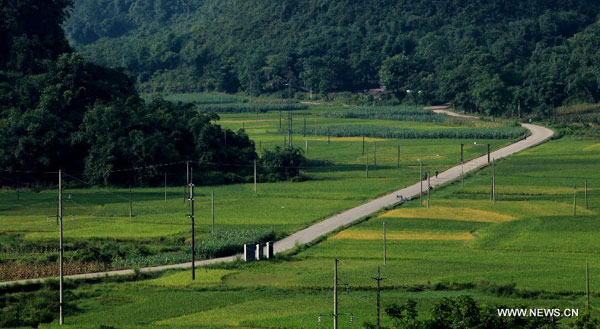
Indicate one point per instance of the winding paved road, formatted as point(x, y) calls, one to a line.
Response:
point(538, 135)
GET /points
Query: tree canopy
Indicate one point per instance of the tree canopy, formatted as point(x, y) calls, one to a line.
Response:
point(541, 54)
point(58, 111)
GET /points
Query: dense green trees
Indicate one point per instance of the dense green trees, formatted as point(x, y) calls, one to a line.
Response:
point(540, 54)
point(464, 312)
point(59, 111)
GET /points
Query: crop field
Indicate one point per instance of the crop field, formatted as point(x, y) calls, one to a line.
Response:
point(525, 250)
point(98, 225)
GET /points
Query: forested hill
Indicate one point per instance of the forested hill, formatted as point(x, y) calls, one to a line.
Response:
point(477, 54)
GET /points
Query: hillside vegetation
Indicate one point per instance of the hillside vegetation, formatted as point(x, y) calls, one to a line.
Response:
point(480, 55)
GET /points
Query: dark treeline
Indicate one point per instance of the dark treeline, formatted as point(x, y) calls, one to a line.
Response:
point(481, 55)
point(58, 111)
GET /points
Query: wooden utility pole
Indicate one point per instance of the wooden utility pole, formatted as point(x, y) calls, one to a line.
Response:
point(375, 157)
point(574, 200)
point(335, 296)
point(212, 210)
point(585, 195)
point(494, 180)
point(363, 146)
point(378, 279)
point(587, 285)
point(488, 149)
point(421, 183)
point(130, 203)
point(255, 178)
point(462, 164)
point(306, 146)
point(193, 217)
point(60, 252)
point(367, 168)
point(428, 189)
point(384, 244)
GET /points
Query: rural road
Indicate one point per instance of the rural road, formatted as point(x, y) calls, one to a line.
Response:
point(539, 135)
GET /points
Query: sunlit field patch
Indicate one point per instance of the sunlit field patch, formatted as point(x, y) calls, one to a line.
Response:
point(458, 213)
point(519, 190)
point(257, 309)
point(184, 279)
point(594, 147)
point(405, 236)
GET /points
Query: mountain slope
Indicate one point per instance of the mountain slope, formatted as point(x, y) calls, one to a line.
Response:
point(480, 55)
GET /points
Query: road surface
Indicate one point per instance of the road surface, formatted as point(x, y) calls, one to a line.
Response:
point(539, 135)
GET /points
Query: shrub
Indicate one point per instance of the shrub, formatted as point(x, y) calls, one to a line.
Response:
point(282, 163)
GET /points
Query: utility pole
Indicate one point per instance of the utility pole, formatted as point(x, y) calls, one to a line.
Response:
point(488, 149)
point(255, 178)
point(421, 183)
point(289, 120)
point(61, 252)
point(304, 129)
point(367, 168)
point(306, 146)
point(375, 157)
point(335, 296)
point(130, 203)
point(363, 146)
point(462, 164)
point(378, 279)
point(384, 244)
point(193, 217)
point(212, 210)
point(428, 189)
point(585, 195)
point(494, 180)
point(187, 180)
point(587, 285)
point(574, 200)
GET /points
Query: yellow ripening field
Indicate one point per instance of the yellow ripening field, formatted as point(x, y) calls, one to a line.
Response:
point(454, 213)
point(401, 236)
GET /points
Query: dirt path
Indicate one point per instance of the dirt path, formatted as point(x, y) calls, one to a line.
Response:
point(539, 135)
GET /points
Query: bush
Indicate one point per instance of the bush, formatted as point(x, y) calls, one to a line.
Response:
point(28, 308)
point(282, 164)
